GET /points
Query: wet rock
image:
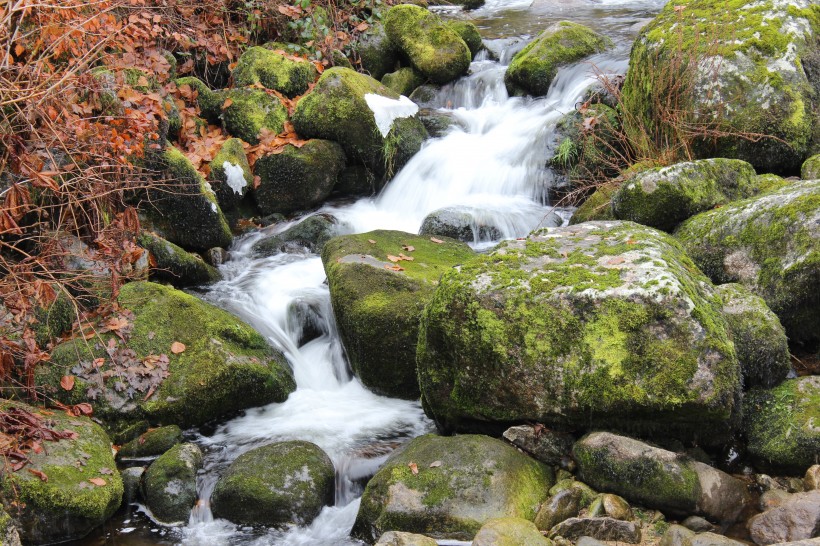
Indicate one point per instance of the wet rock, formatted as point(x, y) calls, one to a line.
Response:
point(469, 33)
point(169, 485)
point(131, 483)
point(509, 532)
point(598, 528)
point(216, 256)
point(562, 505)
point(288, 75)
point(545, 445)
point(153, 443)
point(397, 538)
point(797, 518)
point(174, 265)
point(610, 505)
point(437, 123)
point(586, 140)
point(311, 233)
point(460, 223)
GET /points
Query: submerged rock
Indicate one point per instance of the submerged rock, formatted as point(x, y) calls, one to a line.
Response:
point(311, 233)
point(460, 223)
point(169, 486)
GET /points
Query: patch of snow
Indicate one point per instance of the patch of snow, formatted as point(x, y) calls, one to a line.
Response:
point(386, 110)
point(213, 206)
point(235, 177)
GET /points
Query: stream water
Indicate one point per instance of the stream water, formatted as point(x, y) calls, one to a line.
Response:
point(493, 163)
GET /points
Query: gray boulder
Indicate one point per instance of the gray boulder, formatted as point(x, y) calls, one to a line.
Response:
point(169, 485)
point(599, 529)
point(545, 445)
point(798, 518)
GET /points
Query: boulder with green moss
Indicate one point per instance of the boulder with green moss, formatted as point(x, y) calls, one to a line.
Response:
point(587, 142)
point(781, 425)
point(377, 301)
point(169, 485)
point(230, 176)
point(298, 178)
point(664, 197)
point(567, 499)
point(288, 75)
point(275, 485)
point(185, 209)
point(151, 443)
point(508, 531)
point(404, 80)
point(246, 112)
point(736, 67)
point(602, 323)
point(377, 52)
point(174, 265)
point(209, 101)
point(657, 478)
point(422, 38)
point(810, 170)
point(450, 487)
point(532, 69)
point(63, 503)
point(337, 109)
point(597, 206)
point(770, 244)
point(469, 33)
point(311, 233)
point(222, 366)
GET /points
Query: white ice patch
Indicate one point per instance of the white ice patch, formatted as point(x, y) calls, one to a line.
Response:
point(235, 177)
point(387, 110)
point(213, 207)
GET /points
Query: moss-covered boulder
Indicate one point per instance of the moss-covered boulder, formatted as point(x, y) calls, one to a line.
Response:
point(760, 340)
point(603, 323)
point(289, 75)
point(509, 532)
point(377, 52)
point(782, 425)
point(298, 178)
point(64, 503)
point(246, 112)
point(587, 142)
point(734, 66)
point(532, 69)
point(423, 39)
point(170, 358)
point(278, 484)
point(311, 233)
point(169, 485)
point(152, 443)
point(770, 244)
point(469, 33)
point(230, 175)
point(174, 265)
point(186, 210)
point(564, 502)
point(207, 100)
point(666, 196)
point(597, 206)
point(657, 478)
point(404, 80)
point(810, 170)
point(450, 487)
point(378, 290)
point(8, 532)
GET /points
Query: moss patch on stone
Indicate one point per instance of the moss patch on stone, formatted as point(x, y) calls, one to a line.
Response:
point(596, 207)
point(250, 111)
point(811, 168)
point(174, 265)
point(151, 443)
point(404, 80)
point(169, 484)
point(275, 71)
point(209, 101)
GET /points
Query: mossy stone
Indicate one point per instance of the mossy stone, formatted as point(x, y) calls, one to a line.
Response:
point(311, 233)
point(404, 80)
point(561, 505)
point(377, 308)
point(764, 183)
point(532, 69)
point(588, 142)
point(811, 168)
point(510, 532)
point(377, 53)
point(67, 505)
point(287, 75)
point(274, 485)
point(8, 532)
point(469, 33)
point(54, 319)
point(230, 176)
point(174, 265)
point(251, 110)
point(209, 101)
point(596, 207)
point(152, 443)
point(169, 486)
point(462, 482)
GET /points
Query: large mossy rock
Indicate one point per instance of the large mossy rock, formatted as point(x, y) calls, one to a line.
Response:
point(657, 478)
point(469, 33)
point(230, 175)
point(298, 178)
point(186, 210)
point(597, 206)
point(742, 68)
point(603, 323)
point(337, 110)
point(377, 52)
point(433, 48)
point(248, 111)
point(288, 75)
point(404, 80)
point(664, 197)
point(9, 535)
point(152, 443)
point(64, 505)
point(174, 265)
point(169, 484)
point(782, 425)
point(377, 302)
point(770, 244)
point(461, 483)
point(274, 485)
point(532, 69)
point(225, 366)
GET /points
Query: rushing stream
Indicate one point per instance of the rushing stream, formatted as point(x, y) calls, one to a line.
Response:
point(491, 163)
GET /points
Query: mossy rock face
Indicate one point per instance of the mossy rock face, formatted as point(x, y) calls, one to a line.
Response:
point(461, 484)
point(275, 71)
point(597, 206)
point(152, 443)
point(169, 485)
point(337, 110)
point(298, 178)
point(186, 210)
point(781, 425)
point(603, 323)
point(278, 484)
point(587, 141)
point(377, 308)
point(377, 52)
point(810, 169)
point(764, 183)
point(250, 111)
point(735, 61)
point(226, 365)
point(174, 265)
point(760, 340)
point(770, 244)
point(404, 80)
point(657, 478)
point(532, 69)
point(67, 505)
point(230, 176)
point(432, 47)
point(510, 532)
point(664, 197)
point(8, 532)
point(209, 101)
point(311, 233)
point(469, 33)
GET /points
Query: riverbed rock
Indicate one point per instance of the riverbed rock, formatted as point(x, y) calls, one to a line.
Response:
point(749, 74)
point(810, 170)
point(532, 69)
point(545, 445)
point(461, 223)
point(678, 535)
point(169, 486)
point(152, 443)
point(249, 111)
point(770, 244)
point(598, 323)
point(278, 484)
point(174, 265)
point(377, 301)
point(450, 487)
point(397, 538)
point(404, 80)
point(66, 504)
point(610, 505)
point(310, 233)
point(221, 366)
point(664, 197)
point(509, 532)
point(657, 478)
point(599, 529)
point(377, 52)
point(289, 75)
point(423, 39)
point(230, 176)
point(561, 505)
point(798, 518)
point(132, 484)
point(782, 425)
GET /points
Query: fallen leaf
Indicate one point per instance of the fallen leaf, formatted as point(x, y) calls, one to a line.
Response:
point(36, 447)
point(435, 464)
point(361, 27)
point(39, 474)
point(393, 259)
point(67, 382)
point(408, 258)
point(98, 362)
point(177, 347)
point(98, 481)
point(227, 103)
point(83, 409)
point(437, 241)
point(631, 242)
point(394, 267)
point(414, 468)
point(408, 248)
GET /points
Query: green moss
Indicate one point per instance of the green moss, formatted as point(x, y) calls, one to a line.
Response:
point(811, 168)
point(289, 76)
point(209, 101)
point(54, 320)
point(152, 443)
point(596, 207)
point(175, 265)
point(250, 111)
point(469, 33)
point(169, 484)
point(403, 81)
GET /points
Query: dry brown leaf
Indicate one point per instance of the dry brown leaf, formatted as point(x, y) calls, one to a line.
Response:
point(371, 241)
point(177, 347)
point(67, 382)
point(39, 474)
point(414, 468)
point(393, 259)
point(408, 248)
point(437, 241)
point(98, 481)
point(408, 258)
